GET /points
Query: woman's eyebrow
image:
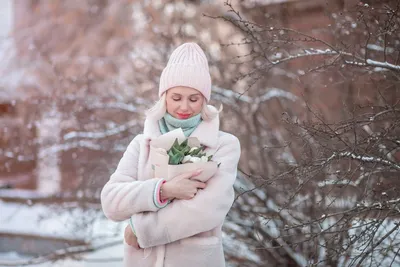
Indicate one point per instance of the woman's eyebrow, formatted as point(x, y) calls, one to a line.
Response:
point(176, 94)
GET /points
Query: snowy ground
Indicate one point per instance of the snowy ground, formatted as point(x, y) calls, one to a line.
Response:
point(100, 258)
point(45, 221)
point(91, 226)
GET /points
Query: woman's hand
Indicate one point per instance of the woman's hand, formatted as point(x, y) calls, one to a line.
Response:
point(130, 237)
point(181, 187)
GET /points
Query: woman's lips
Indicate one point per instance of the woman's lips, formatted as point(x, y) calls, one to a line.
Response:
point(183, 116)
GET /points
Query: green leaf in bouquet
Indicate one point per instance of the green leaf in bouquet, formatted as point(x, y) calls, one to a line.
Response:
point(195, 152)
point(176, 159)
point(179, 160)
point(186, 150)
point(184, 144)
point(176, 143)
point(218, 164)
point(172, 160)
point(210, 157)
point(175, 150)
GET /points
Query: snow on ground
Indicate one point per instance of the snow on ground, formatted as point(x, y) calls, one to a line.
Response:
point(91, 226)
point(99, 258)
point(46, 221)
point(49, 221)
point(77, 224)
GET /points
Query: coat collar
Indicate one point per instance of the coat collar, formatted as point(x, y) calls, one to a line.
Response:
point(206, 132)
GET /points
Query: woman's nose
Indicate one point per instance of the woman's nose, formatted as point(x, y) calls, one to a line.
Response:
point(184, 105)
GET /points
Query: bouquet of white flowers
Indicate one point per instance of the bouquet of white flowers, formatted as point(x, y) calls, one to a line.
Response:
point(172, 154)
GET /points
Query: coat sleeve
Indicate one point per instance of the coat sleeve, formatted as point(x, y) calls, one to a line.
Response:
point(207, 210)
point(123, 195)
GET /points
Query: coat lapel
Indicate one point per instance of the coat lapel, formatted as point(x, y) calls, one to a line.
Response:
point(207, 132)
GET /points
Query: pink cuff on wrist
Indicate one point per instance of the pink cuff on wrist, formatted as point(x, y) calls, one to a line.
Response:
point(157, 197)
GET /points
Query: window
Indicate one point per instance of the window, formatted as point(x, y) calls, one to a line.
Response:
point(7, 109)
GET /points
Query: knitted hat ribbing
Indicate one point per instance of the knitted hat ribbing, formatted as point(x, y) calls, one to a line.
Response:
point(187, 66)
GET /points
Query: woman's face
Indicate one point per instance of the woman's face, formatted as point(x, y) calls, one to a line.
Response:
point(184, 102)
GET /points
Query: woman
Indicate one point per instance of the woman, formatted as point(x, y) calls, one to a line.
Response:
point(175, 223)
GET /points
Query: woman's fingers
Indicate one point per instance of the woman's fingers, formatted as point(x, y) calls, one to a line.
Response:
point(132, 241)
point(188, 175)
point(201, 185)
point(130, 237)
point(126, 235)
point(135, 244)
point(197, 172)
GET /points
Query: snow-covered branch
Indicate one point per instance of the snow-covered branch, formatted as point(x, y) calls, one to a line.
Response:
point(115, 105)
point(355, 63)
point(18, 157)
point(74, 144)
point(231, 95)
point(308, 53)
point(275, 92)
point(366, 159)
point(270, 93)
point(380, 48)
point(377, 64)
point(377, 243)
point(99, 135)
point(273, 231)
point(385, 65)
point(328, 52)
point(68, 146)
point(336, 182)
point(379, 205)
point(346, 182)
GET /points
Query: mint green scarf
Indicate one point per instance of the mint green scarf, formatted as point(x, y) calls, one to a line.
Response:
point(169, 123)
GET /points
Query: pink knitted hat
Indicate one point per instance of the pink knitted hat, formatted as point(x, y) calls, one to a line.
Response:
point(187, 66)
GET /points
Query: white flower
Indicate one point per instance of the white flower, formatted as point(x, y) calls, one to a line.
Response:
point(186, 159)
point(204, 159)
point(195, 159)
point(193, 148)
